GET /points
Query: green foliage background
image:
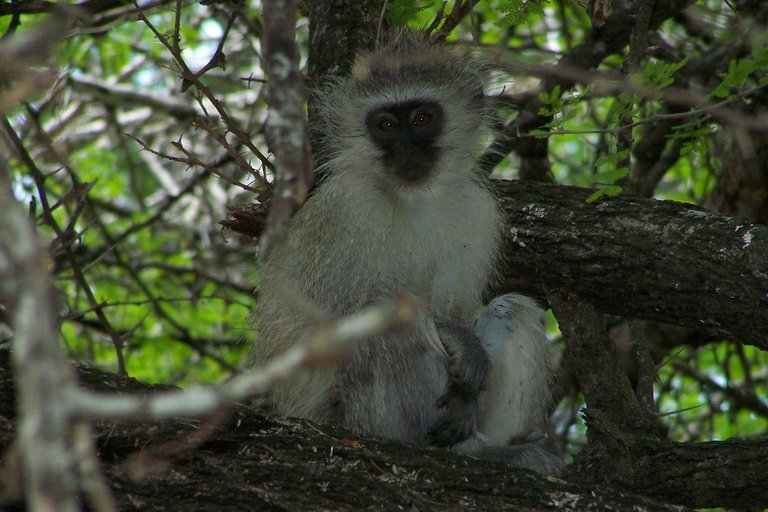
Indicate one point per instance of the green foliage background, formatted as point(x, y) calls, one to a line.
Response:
point(176, 289)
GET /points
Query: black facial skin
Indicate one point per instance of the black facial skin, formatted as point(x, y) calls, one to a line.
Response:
point(407, 134)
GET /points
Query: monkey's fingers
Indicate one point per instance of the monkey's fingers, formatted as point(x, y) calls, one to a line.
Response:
point(467, 359)
point(458, 391)
point(457, 424)
point(462, 390)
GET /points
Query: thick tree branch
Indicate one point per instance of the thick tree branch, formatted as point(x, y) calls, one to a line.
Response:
point(700, 475)
point(339, 30)
point(657, 260)
point(595, 361)
point(258, 462)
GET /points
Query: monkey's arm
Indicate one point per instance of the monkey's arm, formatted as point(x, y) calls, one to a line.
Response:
point(468, 370)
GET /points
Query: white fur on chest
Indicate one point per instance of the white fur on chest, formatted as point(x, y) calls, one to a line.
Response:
point(436, 242)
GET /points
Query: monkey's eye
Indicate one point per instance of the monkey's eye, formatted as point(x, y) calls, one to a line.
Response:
point(387, 125)
point(421, 119)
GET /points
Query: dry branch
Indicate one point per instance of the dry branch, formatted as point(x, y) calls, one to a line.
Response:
point(325, 346)
point(287, 129)
point(46, 432)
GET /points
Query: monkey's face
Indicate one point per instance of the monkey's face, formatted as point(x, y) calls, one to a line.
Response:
point(407, 135)
point(410, 118)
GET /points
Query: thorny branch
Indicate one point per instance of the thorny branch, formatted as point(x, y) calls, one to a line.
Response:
point(82, 281)
point(189, 77)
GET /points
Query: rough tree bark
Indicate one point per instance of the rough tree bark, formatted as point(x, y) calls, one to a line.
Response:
point(287, 129)
point(641, 258)
point(245, 461)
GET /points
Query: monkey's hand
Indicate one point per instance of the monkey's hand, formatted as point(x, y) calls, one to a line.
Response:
point(460, 404)
point(468, 369)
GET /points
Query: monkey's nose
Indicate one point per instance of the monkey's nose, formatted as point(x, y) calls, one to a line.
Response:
point(412, 166)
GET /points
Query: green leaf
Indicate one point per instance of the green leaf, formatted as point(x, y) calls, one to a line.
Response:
point(738, 72)
point(611, 175)
point(597, 194)
point(612, 159)
point(608, 190)
point(660, 74)
point(612, 190)
point(551, 103)
point(400, 12)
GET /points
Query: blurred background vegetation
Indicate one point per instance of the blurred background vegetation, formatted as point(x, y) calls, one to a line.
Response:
point(128, 170)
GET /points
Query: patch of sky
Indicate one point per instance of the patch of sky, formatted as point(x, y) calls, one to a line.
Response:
point(196, 55)
point(23, 187)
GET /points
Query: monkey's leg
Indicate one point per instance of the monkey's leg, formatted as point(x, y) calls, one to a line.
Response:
point(390, 386)
point(512, 411)
point(468, 370)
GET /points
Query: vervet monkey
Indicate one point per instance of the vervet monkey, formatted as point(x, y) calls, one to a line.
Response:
point(403, 209)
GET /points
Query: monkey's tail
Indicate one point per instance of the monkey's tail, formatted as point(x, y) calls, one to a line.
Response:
point(511, 330)
point(512, 411)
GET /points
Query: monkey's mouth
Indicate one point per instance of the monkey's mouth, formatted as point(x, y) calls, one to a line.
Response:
point(413, 172)
point(412, 167)
point(411, 164)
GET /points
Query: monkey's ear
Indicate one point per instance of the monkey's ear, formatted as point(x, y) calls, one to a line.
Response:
point(361, 69)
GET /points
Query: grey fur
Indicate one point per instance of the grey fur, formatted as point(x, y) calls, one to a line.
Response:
point(365, 236)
